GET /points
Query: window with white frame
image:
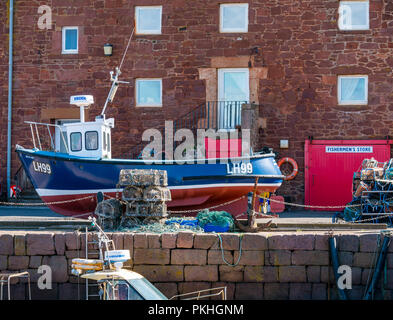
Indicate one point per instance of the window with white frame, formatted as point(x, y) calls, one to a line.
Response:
point(352, 90)
point(234, 17)
point(354, 15)
point(149, 92)
point(148, 19)
point(70, 40)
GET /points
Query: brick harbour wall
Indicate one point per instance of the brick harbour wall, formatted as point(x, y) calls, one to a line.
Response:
point(272, 265)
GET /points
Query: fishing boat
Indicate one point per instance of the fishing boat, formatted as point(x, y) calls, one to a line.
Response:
point(69, 175)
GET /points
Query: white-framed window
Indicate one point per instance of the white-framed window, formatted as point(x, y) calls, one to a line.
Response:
point(70, 40)
point(148, 19)
point(352, 90)
point(234, 17)
point(354, 15)
point(149, 92)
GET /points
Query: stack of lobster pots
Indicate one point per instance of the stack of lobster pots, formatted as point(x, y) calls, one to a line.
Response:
point(145, 193)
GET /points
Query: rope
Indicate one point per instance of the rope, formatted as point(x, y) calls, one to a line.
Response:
point(222, 251)
point(44, 203)
point(309, 206)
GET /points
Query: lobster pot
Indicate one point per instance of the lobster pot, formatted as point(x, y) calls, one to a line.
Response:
point(369, 163)
point(143, 178)
point(362, 187)
point(372, 173)
point(146, 209)
point(352, 213)
point(132, 193)
point(109, 209)
point(157, 194)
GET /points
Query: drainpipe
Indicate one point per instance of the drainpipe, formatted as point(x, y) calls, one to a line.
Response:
point(10, 76)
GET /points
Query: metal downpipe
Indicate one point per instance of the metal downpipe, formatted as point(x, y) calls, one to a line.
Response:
point(10, 78)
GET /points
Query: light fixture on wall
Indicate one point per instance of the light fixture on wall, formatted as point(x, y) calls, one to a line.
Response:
point(108, 49)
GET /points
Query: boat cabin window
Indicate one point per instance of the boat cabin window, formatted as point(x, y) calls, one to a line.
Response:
point(121, 290)
point(76, 141)
point(91, 140)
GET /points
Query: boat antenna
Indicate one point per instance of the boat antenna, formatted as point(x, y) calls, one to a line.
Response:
point(115, 78)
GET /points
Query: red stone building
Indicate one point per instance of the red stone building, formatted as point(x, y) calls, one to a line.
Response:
point(296, 55)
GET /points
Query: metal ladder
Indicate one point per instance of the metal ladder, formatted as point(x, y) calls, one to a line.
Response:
point(103, 242)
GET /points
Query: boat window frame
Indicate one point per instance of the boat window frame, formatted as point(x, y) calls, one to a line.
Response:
point(98, 142)
point(64, 39)
point(81, 140)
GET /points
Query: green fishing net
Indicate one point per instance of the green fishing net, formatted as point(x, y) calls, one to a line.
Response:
point(216, 218)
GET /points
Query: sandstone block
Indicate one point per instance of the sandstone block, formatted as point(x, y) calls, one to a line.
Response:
point(319, 291)
point(169, 289)
point(140, 241)
point(40, 244)
point(187, 287)
point(206, 241)
point(70, 291)
point(249, 291)
point(276, 291)
point(185, 239)
point(59, 267)
point(73, 240)
point(313, 274)
point(189, 256)
point(292, 274)
point(230, 241)
point(278, 258)
point(291, 242)
point(231, 274)
point(348, 242)
point(118, 240)
point(321, 242)
point(368, 242)
point(260, 274)
point(60, 243)
point(151, 256)
point(6, 244)
point(252, 241)
point(168, 240)
point(250, 258)
point(161, 273)
point(19, 245)
point(300, 291)
point(154, 241)
point(201, 273)
point(345, 258)
point(310, 258)
point(3, 263)
point(363, 259)
point(18, 262)
point(216, 257)
point(35, 262)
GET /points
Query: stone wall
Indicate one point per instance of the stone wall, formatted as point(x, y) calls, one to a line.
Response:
point(271, 266)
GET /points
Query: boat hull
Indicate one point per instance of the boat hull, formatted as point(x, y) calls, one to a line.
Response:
point(69, 185)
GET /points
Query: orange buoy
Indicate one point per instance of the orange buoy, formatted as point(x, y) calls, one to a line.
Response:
point(293, 163)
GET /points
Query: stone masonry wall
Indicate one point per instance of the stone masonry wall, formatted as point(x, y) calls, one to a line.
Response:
point(272, 265)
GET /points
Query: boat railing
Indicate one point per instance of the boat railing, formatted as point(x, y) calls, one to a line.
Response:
point(203, 294)
point(44, 142)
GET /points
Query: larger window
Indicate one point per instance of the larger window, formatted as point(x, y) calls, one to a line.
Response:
point(149, 92)
point(148, 20)
point(354, 15)
point(70, 40)
point(234, 17)
point(352, 90)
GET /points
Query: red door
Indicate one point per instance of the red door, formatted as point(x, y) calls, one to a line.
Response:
point(329, 168)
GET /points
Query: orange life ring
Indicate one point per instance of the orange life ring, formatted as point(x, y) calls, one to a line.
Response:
point(294, 165)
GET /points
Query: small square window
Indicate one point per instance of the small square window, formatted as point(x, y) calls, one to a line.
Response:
point(354, 15)
point(76, 141)
point(149, 92)
point(70, 40)
point(91, 140)
point(148, 20)
point(352, 90)
point(234, 17)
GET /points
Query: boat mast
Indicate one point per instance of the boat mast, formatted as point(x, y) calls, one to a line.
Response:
point(115, 78)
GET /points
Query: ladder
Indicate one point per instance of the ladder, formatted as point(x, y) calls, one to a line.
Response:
point(104, 244)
